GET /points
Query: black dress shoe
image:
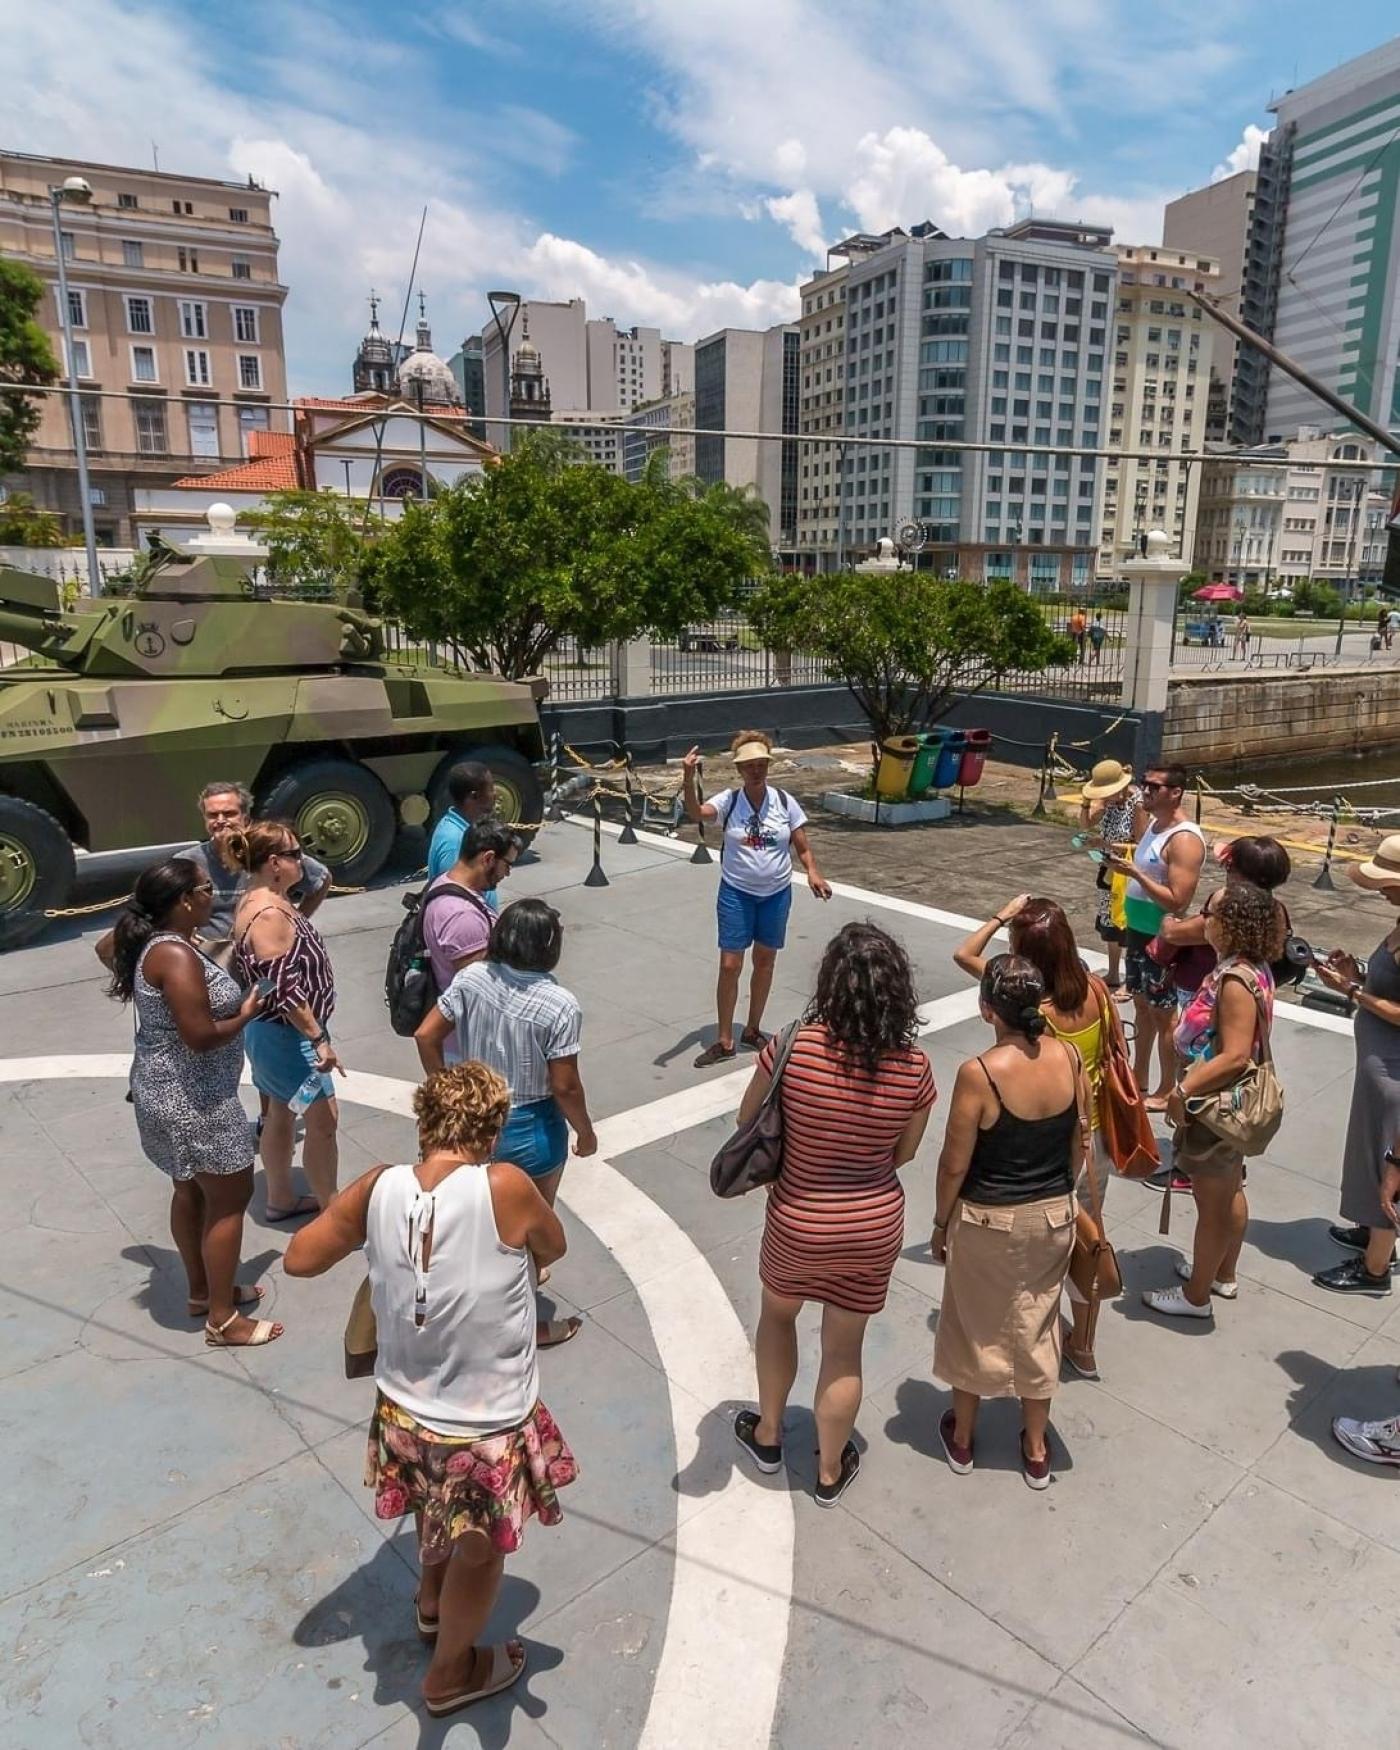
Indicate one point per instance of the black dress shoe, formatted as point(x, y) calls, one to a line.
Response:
point(1353, 1278)
point(1356, 1239)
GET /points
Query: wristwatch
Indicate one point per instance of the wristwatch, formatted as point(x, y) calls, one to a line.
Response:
point(1390, 1158)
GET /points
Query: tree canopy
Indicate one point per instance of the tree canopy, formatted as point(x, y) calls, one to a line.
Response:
point(544, 546)
point(25, 357)
point(906, 642)
point(24, 524)
point(315, 539)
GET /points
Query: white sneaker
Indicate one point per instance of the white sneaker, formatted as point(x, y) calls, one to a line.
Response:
point(1376, 1442)
point(1225, 1290)
point(1173, 1304)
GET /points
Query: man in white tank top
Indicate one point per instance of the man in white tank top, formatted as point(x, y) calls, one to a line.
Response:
point(1166, 871)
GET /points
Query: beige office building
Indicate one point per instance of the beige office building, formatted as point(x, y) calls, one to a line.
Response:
point(1163, 348)
point(1214, 222)
point(175, 305)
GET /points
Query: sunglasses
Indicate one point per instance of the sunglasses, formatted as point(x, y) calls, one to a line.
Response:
point(293, 853)
point(202, 887)
point(1155, 784)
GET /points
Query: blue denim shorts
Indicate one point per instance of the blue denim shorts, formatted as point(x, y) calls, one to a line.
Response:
point(535, 1138)
point(280, 1060)
point(745, 919)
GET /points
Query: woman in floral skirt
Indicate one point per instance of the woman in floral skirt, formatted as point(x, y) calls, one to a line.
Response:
point(459, 1437)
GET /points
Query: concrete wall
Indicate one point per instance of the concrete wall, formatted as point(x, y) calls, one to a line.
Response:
point(1218, 720)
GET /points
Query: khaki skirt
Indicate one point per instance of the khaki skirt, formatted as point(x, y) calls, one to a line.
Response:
point(999, 1325)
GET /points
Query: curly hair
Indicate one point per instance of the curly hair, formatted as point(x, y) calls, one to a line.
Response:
point(1014, 990)
point(737, 741)
point(461, 1107)
point(1250, 921)
point(251, 847)
point(865, 994)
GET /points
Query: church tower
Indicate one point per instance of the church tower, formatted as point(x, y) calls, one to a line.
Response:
point(529, 387)
point(374, 362)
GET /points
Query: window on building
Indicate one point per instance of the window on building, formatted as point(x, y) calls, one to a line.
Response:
point(92, 421)
point(151, 438)
point(82, 360)
point(139, 317)
point(132, 252)
point(194, 320)
point(70, 245)
point(187, 260)
point(198, 372)
point(128, 201)
point(143, 365)
point(249, 371)
point(203, 417)
point(239, 215)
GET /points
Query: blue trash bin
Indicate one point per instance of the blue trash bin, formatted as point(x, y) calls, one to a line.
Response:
point(945, 773)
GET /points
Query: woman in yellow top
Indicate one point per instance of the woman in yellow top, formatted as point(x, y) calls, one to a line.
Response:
point(1073, 1007)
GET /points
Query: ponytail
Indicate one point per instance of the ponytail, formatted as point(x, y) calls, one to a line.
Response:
point(158, 891)
point(249, 847)
point(1032, 1022)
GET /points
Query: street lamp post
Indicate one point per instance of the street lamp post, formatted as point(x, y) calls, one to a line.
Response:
point(501, 302)
point(77, 190)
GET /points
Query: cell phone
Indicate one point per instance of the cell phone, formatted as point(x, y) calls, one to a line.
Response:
point(1096, 856)
point(265, 987)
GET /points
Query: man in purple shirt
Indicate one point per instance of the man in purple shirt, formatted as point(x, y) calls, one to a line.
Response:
point(457, 926)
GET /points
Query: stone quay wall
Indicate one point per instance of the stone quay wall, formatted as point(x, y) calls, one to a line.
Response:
point(1218, 720)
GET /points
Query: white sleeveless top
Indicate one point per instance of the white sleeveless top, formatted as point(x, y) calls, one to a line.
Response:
point(1149, 857)
point(457, 1339)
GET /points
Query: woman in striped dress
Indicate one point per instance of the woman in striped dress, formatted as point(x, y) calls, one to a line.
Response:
point(856, 1094)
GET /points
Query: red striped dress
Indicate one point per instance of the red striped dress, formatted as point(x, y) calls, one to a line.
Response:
point(835, 1220)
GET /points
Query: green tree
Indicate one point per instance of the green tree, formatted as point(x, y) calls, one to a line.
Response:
point(23, 524)
point(543, 546)
point(740, 505)
point(906, 643)
point(316, 541)
point(25, 357)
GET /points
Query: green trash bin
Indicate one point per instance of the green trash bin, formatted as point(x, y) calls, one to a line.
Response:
point(926, 760)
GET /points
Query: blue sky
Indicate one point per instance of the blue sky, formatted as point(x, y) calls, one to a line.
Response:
point(677, 162)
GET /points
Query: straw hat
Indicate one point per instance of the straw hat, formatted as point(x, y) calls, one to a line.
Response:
point(1108, 778)
point(1383, 868)
point(750, 750)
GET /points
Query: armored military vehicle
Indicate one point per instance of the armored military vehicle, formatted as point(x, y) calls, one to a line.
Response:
point(125, 709)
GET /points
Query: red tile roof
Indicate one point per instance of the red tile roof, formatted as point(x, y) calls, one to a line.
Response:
point(266, 473)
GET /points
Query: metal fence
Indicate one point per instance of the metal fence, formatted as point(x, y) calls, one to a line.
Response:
point(575, 673)
point(726, 655)
point(1206, 644)
point(1096, 628)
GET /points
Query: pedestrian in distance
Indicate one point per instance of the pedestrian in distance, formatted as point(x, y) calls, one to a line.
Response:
point(1367, 1227)
point(289, 1044)
point(1098, 637)
point(762, 829)
point(472, 793)
point(184, 1088)
point(509, 1012)
point(1078, 628)
point(459, 1436)
point(1112, 802)
point(856, 1093)
point(1242, 633)
point(457, 920)
point(1224, 1029)
point(1164, 873)
point(1016, 1137)
point(1076, 1009)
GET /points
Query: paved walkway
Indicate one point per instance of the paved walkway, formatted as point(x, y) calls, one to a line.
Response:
point(189, 1555)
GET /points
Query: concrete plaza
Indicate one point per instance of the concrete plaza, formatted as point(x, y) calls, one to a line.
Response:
point(190, 1557)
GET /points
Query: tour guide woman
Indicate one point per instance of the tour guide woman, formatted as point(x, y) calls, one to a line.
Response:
point(761, 830)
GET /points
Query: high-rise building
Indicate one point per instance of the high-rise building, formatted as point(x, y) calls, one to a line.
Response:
point(592, 364)
point(652, 426)
point(1001, 339)
point(1215, 222)
point(747, 380)
point(1163, 345)
point(468, 366)
point(677, 368)
point(174, 301)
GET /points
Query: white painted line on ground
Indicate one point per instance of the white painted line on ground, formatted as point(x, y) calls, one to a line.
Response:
point(726, 1628)
point(1289, 1012)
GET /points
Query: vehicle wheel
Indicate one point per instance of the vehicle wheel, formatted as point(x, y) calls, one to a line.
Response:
point(519, 799)
point(37, 869)
point(342, 814)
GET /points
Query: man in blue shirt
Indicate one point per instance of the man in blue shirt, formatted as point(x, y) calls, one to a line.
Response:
point(473, 793)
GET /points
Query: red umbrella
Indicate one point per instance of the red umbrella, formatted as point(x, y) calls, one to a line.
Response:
point(1218, 592)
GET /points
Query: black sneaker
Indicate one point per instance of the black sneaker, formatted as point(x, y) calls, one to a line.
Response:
point(1356, 1239)
point(1353, 1277)
point(767, 1458)
point(828, 1494)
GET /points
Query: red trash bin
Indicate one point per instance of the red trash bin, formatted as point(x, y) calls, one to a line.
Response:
point(974, 757)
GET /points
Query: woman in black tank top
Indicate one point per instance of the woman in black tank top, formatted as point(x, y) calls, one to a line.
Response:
point(1015, 1139)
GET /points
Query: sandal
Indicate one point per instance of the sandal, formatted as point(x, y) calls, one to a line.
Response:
point(244, 1294)
point(264, 1331)
point(503, 1671)
point(715, 1053)
point(306, 1205)
point(427, 1625)
point(558, 1332)
point(753, 1039)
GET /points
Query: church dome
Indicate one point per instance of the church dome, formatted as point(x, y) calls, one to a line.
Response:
point(424, 366)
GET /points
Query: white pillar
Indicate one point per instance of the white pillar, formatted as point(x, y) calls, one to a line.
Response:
point(1147, 658)
point(631, 669)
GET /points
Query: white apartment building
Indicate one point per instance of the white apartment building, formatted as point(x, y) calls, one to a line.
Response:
point(1163, 348)
point(599, 433)
point(650, 426)
point(592, 365)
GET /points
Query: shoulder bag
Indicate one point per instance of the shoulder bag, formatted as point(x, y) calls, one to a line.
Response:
point(1123, 1119)
point(1249, 1112)
point(1093, 1264)
point(753, 1156)
point(361, 1335)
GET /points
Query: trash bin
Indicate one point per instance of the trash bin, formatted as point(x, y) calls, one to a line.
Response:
point(945, 773)
point(896, 764)
point(974, 757)
point(926, 760)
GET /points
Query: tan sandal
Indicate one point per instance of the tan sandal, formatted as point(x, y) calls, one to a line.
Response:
point(503, 1672)
point(557, 1332)
point(264, 1331)
point(244, 1294)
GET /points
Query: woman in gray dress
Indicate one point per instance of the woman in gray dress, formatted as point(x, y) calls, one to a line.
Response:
point(1366, 1231)
point(184, 1085)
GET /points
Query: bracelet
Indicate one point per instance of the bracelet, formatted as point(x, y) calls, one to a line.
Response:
point(999, 920)
point(321, 1038)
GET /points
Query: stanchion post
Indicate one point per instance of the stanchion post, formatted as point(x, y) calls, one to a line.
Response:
point(1200, 799)
point(628, 835)
point(554, 812)
point(1038, 812)
point(1052, 754)
point(595, 876)
point(1324, 880)
point(701, 853)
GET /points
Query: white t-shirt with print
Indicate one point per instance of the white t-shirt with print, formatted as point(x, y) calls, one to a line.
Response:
point(757, 853)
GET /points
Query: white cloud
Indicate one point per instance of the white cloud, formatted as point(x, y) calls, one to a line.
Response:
point(1245, 156)
point(802, 217)
point(668, 299)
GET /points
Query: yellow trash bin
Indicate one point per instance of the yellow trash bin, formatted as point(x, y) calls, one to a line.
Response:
point(897, 756)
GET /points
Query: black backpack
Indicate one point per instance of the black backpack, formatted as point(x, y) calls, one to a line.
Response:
point(410, 989)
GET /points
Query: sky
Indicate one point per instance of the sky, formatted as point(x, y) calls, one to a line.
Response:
point(679, 163)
